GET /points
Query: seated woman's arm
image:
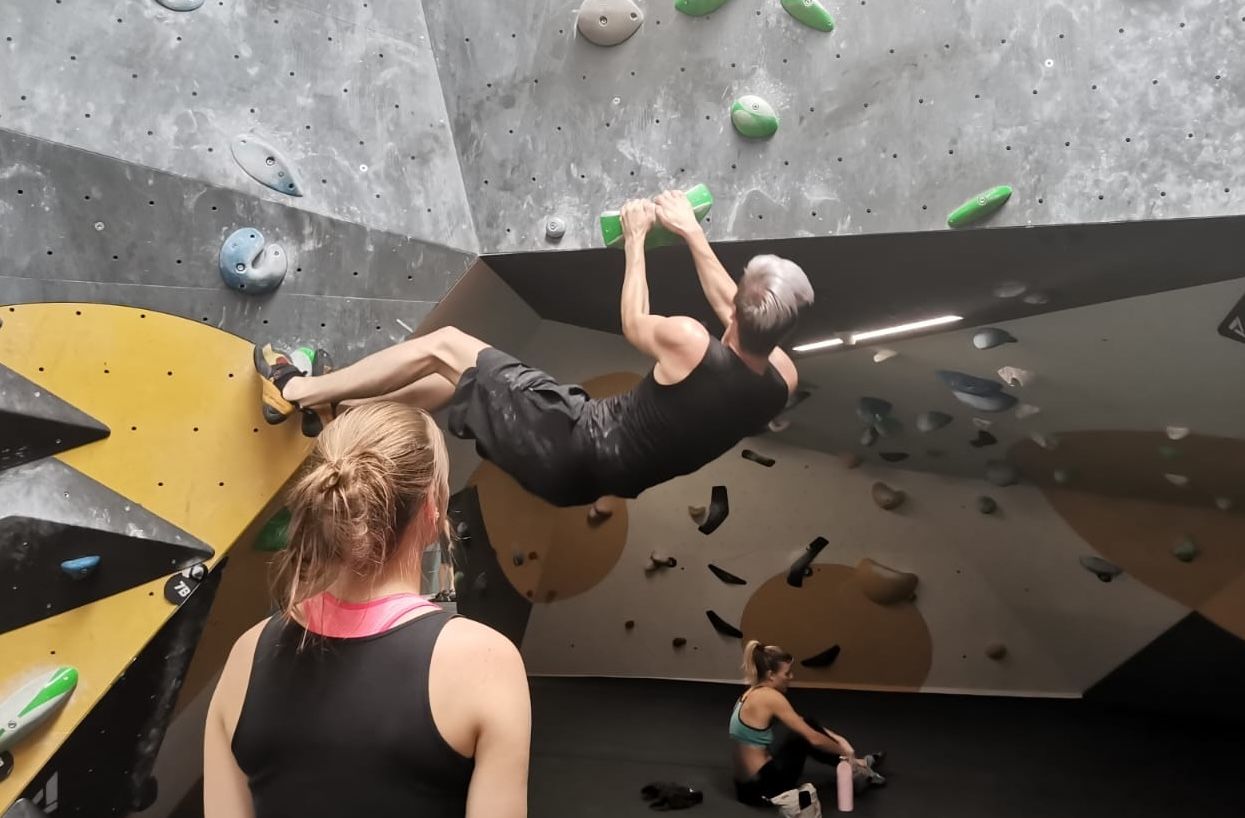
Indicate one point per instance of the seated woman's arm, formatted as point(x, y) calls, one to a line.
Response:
point(827, 741)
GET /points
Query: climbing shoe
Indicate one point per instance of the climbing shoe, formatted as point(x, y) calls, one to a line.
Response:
point(276, 369)
point(317, 417)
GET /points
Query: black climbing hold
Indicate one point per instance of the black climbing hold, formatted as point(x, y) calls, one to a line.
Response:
point(727, 576)
point(6, 769)
point(871, 409)
point(1105, 570)
point(480, 583)
point(461, 530)
point(629, 624)
point(893, 457)
point(802, 566)
point(972, 385)
point(987, 505)
point(760, 459)
point(35, 424)
point(678, 641)
point(983, 439)
point(146, 794)
point(722, 626)
point(824, 659)
point(518, 558)
point(719, 508)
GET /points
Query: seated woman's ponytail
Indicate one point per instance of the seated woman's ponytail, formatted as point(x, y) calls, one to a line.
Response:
point(762, 660)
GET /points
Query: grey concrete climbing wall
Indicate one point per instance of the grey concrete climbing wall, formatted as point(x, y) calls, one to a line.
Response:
point(1094, 110)
point(76, 226)
point(346, 89)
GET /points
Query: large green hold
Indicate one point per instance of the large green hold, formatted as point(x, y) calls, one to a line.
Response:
point(612, 231)
point(980, 206)
point(275, 534)
point(811, 13)
point(754, 117)
point(698, 8)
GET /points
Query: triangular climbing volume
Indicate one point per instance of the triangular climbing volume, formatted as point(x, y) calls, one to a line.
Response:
point(34, 423)
point(67, 540)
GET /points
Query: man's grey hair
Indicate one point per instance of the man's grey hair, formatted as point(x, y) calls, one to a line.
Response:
point(771, 294)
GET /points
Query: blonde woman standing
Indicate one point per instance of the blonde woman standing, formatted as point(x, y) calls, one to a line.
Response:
point(361, 697)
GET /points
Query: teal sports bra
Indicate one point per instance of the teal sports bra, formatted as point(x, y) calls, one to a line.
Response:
point(749, 735)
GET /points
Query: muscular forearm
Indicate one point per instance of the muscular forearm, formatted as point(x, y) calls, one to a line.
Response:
point(634, 301)
point(718, 285)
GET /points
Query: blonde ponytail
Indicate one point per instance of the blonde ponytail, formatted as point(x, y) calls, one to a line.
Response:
point(761, 661)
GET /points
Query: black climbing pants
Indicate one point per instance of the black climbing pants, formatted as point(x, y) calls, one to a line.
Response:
point(784, 769)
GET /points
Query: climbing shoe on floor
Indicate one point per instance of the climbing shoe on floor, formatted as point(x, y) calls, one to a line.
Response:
point(276, 369)
point(317, 417)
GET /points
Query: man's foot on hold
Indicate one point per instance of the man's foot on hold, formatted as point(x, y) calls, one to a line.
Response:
point(276, 369)
point(317, 417)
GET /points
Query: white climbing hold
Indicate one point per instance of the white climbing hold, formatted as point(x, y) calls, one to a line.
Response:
point(1027, 410)
point(883, 355)
point(991, 337)
point(1223, 503)
point(1015, 376)
point(778, 424)
point(609, 22)
point(1177, 432)
point(1177, 479)
point(1036, 298)
point(982, 423)
point(1010, 289)
point(1048, 442)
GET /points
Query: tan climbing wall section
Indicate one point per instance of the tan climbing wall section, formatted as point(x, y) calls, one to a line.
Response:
point(882, 646)
point(549, 553)
point(1139, 535)
point(187, 443)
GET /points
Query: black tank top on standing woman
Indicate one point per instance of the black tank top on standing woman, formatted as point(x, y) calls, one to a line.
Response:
point(344, 727)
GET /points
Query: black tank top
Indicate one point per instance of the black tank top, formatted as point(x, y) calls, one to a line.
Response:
point(343, 727)
point(654, 432)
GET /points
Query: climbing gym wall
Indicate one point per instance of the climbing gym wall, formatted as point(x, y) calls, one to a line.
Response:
point(1114, 537)
point(1093, 110)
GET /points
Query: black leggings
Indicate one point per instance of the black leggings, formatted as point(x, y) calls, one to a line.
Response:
point(784, 769)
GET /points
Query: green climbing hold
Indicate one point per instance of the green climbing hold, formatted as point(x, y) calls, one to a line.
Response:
point(1185, 550)
point(811, 13)
point(754, 117)
point(698, 8)
point(980, 206)
point(611, 222)
point(275, 533)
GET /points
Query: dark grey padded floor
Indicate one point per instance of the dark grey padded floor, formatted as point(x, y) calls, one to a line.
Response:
point(596, 742)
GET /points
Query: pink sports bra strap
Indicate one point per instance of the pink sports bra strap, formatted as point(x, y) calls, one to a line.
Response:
point(329, 616)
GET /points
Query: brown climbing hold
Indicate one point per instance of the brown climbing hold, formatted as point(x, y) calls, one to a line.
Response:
point(531, 555)
point(678, 641)
point(887, 497)
point(996, 651)
point(851, 460)
point(884, 585)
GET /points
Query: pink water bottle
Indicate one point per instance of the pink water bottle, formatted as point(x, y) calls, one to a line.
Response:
point(846, 794)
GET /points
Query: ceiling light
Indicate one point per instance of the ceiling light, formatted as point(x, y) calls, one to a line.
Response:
point(829, 342)
point(901, 328)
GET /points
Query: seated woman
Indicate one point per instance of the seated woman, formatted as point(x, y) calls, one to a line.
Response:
point(763, 770)
point(361, 697)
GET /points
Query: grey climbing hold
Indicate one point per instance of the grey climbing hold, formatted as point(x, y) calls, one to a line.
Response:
point(759, 459)
point(893, 457)
point(80, 567)
point(982, 423)
point(1178, 480)
point(726, 576)
point(802, 566)
point(883, 355)
point(1001, 473)
point(886, 497)
point(555, 228)
point(1062, 476)
point(1046, 441)
point(1036, 298)
point(180, 5)
point(1223, 503)
point(1103, 569)
point(824, 659)
point(868, 436)
point(1177, 432)
point(987, 505)
point(480, 583)
point(1027, 410)
point(266, 165)
point(1010, 289)
point(1185, 550)
point(698, 8)
point(983, 439)
point(609, 22)
point(722, 626)
point(719, 508)
point(932, 421)
point(753, 117)
point(996, 402)
point(872, 409)
point(996, 651)
point(992, 337)
point(461, 530)
point(778, 425)
point(1015, 376)
point(969, 384)
point(250, 265)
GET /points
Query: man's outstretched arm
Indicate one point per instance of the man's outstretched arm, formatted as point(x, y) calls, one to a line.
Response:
point(658, 336)
point(675, 212)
